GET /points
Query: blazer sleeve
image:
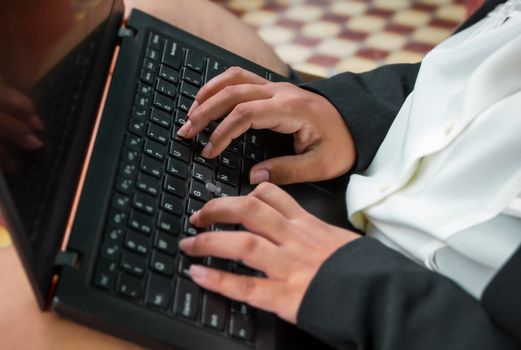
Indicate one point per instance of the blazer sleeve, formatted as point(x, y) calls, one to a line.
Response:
point(367, 296)
point(368, 103)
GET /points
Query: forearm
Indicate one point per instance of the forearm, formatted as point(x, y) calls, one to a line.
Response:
point(367, 296)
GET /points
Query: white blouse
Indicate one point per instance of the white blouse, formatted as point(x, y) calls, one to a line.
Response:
point(443, 187)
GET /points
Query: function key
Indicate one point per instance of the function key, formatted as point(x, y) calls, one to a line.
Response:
point(155, 41)
point(173, 54)
point(124, 184)
point(187, 299)
point(214, 311)
point(105, 274)
point(253, 137)
point(133, 142)
point(194, 60)
point(166, 88)
point(147, 77)
point(128, 169)
point(140, 113)
point(110, 250)
point(152, 54)
point(117, 218)
point(121, 202)
point(142, 100)
point(129, 285)
point(158, 291)
point(150, 65)
point(163, 102)
point(192, 77)
point(129, 156)
point(114, 233)
point(243, 309)
point(137, 126)
point(169, 74)
point(144, 89)
point(241, 327)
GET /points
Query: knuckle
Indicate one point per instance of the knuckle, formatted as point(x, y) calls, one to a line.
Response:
point(251, 204)
point(248, 287)
point(242, 111)
point(248, 245)
point(235, 71)
point(265, 188)
point(229, 91)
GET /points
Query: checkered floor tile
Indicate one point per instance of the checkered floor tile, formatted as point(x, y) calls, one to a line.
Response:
point(325, 37)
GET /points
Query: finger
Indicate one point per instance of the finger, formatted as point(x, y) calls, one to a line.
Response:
point(262, 114)
point(259, 292)
point(232, 76)
point(278, 199)
point(248, 211)
point(220, 104)
point(306, 167)
point(253, 250)
point(16, 132)
point(15, 102)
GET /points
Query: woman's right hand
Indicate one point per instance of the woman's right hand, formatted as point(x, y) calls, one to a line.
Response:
point(323, 145)
point(18, 125)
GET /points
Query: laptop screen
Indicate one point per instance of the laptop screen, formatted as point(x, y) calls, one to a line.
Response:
point(49, 54)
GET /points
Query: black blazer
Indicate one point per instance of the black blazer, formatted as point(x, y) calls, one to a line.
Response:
point(367, 296)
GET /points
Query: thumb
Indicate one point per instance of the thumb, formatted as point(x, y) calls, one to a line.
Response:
point(286, 170)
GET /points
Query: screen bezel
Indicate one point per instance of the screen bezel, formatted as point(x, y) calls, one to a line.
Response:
point(40, 265)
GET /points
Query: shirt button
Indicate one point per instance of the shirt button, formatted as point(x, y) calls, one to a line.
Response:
point(450, 127)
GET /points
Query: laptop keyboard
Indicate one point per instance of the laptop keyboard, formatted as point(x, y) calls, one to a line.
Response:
point(162, 179)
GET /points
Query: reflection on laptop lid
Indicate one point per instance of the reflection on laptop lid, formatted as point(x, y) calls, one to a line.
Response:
point(55, 54)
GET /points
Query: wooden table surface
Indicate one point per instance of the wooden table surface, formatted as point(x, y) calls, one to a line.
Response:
point(24, 326)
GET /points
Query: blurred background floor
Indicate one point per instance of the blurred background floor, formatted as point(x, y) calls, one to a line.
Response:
point(325, 37)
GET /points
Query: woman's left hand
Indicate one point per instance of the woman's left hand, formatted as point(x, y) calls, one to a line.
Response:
point(282, 240)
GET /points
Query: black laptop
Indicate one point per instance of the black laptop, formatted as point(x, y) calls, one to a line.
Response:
point(96, 213)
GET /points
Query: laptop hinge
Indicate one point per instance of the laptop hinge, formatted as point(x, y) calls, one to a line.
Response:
point(126, 32)
point(65, 258)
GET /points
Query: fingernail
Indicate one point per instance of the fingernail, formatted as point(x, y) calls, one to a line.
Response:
point(192, 108)
point(31, 142)
point(197, 272)
point(206, 150)
point(36, 123)
point(185, 129)
point(186, 244)
point(258, 176)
